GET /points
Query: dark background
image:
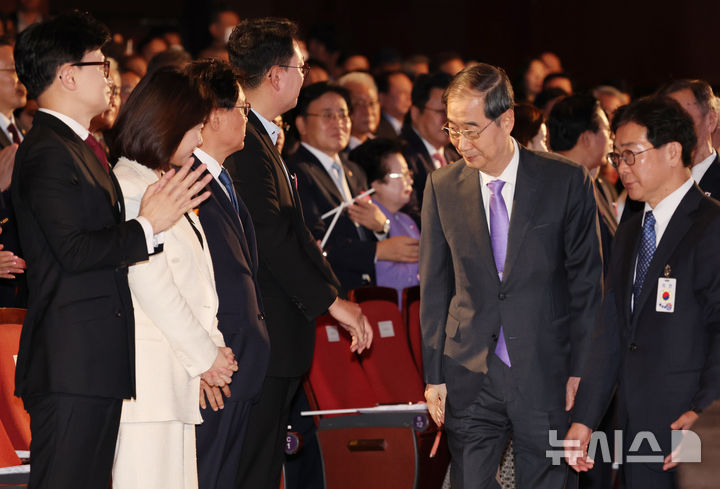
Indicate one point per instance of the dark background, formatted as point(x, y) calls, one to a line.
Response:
point(640, 41)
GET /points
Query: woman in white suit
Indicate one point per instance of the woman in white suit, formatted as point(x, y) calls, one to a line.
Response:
point(176, 337)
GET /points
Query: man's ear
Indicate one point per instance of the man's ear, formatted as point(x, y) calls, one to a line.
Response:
point(673, 150)
point(215, 120)
point(67, 75)
point(274, 75)
point(507, 120)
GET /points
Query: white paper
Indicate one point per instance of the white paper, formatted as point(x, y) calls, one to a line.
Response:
point(386, 329)
point(332, 334)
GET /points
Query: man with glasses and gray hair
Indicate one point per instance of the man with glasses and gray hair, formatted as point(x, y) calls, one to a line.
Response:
point(658, 339)
point(365, 115)
point(510, 278)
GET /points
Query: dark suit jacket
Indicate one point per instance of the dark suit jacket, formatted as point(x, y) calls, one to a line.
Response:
point(78, 336)
point(231, 240)
point(710, 182)
point(296, 282)
point(385, 129)
point(13, 293)
point(548, 298)
point(666, 363)
point(607, 222)
point(352, 257)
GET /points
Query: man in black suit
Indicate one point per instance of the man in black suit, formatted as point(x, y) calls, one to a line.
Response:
point(325, 181)
point(659, 334)
point(428, 147)
point(13, 287)
point(296, 282)
point(510, 279)
point(231, 240)
point(698, 99)
point(394, 93)
point(76, 359)
point(579, 130)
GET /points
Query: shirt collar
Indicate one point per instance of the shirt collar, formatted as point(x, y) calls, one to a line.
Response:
point(509, 174)
point(76, 127)
point(397, 125)
point(326, 160)
point(664, 210)
point(430, 148)
point(212, 164)
point(698, 171)
point(271, 128)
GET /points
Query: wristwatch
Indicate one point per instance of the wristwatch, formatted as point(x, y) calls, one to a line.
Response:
point(385, 228)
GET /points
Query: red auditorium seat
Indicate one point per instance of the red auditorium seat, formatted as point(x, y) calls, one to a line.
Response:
point(411, 312)
point(12, 413)
point(373, 293)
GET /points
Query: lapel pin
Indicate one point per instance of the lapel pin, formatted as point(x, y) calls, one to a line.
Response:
point(667, 271)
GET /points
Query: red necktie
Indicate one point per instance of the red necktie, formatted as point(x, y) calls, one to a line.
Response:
point(439, 158)
point(98, 150)
point(14, 132)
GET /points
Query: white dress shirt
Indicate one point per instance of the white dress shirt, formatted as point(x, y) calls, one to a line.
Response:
point(698, 171)
point(509, 176)
point(5, 122)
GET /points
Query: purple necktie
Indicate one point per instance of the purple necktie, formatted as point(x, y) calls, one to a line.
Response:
point(499, 225)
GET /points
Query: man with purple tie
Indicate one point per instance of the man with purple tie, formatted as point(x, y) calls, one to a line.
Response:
point(510, 278)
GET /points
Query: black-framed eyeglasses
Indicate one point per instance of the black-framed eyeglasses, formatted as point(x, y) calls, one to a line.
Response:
point(470, 134)
point(331, 116)
point(245, 108)
point(304, 69)
point(627, 156)
point(105, 64)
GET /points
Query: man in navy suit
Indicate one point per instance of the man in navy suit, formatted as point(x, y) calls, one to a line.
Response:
point(659, 337)
point(231, 241)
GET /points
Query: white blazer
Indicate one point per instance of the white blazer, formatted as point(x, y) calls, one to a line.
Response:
point(175, 302)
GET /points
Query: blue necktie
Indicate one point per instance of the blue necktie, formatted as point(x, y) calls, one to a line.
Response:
point(224, 178)
point(645, 254)
point(499, 227)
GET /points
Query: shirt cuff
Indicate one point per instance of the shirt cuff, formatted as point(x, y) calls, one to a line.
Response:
point(151, 240)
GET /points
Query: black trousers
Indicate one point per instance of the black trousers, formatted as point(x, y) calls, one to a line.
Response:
point(73, 440)
point(478, 434)
point(219, 440)
point(263, 452)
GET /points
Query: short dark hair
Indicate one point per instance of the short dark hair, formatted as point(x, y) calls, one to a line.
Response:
point(441, 58)
point(528, 120)
point(382, 80)
point(175, 57)
point(555, 76)
point(256, 45)
point(665, 121)
point(42, 48)
point(571, 117)
point(313, 92)
point(371, 154)
point(492, 82)
point(424, 84)
point(162, 108)
point(218, 78)
point(547, 95)
point(701, 89)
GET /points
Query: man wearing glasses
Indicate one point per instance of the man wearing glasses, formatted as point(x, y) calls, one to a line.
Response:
point(659, 337)
point(510, 278)
point(296, 282)
point(76, 361)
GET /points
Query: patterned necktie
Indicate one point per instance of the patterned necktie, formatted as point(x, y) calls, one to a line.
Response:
point(98, 150)
point(439, 159)
point(224, 178)
point(645, 254)
point(14, 133)
point(499, 226)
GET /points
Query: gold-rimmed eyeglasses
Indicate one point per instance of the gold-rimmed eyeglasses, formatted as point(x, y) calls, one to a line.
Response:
point(470, 134)
point(244, 108)
point(304, 69)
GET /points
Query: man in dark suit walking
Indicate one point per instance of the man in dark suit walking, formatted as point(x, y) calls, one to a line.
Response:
point(296, 282)
point(659, 337)
point(76, 358)
point(231, 240)
point(510, 278)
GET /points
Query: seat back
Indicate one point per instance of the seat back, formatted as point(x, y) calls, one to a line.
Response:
point(388, 363)
point(411, 312)
point(12, 413)
point(8, 457)
point(336, 377)
point(373, 293)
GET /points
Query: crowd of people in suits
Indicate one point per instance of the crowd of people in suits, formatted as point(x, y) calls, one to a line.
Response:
point(175, 226)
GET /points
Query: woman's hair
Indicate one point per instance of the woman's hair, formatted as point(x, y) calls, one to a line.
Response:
point(528, 120)
point(371, 154)
point(162, 108)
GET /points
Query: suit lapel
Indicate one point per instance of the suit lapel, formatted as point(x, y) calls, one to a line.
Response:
point(629, 250)
point(525, 203)
point(470, 193)
point(320, 176)
point(679, 225)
